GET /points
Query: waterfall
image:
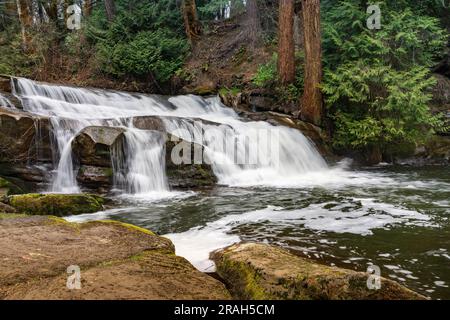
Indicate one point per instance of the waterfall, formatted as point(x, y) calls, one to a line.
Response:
point(277, 154)
point(145, 170)
point(4, 102)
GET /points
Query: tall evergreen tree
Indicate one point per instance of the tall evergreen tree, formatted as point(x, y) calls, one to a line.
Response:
point(286, 43)
point(312, 101)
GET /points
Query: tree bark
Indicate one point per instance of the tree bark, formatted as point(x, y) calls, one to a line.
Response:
point(191, 23)
point(25, 18)
point(312, 101)
point(286, 43)
point(110, 8)
point(253, 23)
point(87, 8)
point(52, 10)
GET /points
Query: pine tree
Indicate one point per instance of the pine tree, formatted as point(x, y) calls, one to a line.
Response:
point(191, 23)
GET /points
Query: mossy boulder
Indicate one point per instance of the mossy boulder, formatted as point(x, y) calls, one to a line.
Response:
point(117, 261)
point(259, 271)
point(8, 188)
point(56, 204)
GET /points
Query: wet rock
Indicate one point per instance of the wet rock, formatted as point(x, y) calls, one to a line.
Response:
point(56, 204)
point(24, 148)
point(23, 137)
point(94, 148)
point(260, 271)
point(5, 84)
point(116, 260)
point(94, 145)
point(189, 174)
point(233, 98)
point(95, 177)
point(149, 123)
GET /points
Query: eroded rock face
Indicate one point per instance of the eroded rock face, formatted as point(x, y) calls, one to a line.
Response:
point(23, 137)
point(24, 147)
point(56, 204)
point(5, 84)
point(95, 147)
point(117, 261)
point(260, 271)
point(191, 175)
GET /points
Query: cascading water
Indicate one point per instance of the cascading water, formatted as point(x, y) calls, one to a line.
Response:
point(142, 169)
point(146, 169)
point(4, 102)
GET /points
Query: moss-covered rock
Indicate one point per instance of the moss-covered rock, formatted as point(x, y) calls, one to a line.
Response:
point(56, 204)
point(116, 260)
point(258, 271)
point(4, 208)
point(8, 188)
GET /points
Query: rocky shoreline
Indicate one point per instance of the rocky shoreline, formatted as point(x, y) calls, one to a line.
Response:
point(123, 261)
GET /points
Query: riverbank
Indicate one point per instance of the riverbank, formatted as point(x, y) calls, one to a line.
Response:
point(121, 261)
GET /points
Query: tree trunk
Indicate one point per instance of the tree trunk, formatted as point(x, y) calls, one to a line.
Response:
point(312, 102)
point(299, 35)
point(191, 23)
point(253, 23)
point(25, 18)
point(87, 8)
point(110, 8)
point(286, 43)
point(52, 10)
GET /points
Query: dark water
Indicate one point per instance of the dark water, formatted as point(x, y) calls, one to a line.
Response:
point(395, 218)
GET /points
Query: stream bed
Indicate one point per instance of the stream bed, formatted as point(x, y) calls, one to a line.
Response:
point(394, 217)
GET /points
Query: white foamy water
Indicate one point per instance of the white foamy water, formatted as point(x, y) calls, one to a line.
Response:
point(197, 243)
point(4, 102)
point(281, 156)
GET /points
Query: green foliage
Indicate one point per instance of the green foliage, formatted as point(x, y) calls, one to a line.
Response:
point(267, 77)
point(377, 81)
point(145, 39)
point(267, 73)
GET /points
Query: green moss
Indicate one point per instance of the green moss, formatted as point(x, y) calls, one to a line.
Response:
point(60, 221)
point(245, 280)
point(227, 91)
point(12, 215)
point(108, 172)
point(9, 188)
point(128, 226)
point(56, 204)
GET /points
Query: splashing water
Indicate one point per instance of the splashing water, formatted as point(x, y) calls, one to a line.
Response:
point(73, 109)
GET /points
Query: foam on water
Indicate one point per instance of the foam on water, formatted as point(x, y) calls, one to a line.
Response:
point(197, 243)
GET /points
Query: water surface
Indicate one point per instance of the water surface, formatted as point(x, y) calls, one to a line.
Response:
point(393, 217)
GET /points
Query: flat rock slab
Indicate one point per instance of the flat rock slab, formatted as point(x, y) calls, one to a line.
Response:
point(260, 271)
point(117, 261)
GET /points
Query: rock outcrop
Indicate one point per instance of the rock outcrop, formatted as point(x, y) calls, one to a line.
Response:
point(24, 143)
point(116, 261)
point(56, 204)
point(95, 148)
point(8, 188)
point(260, 271)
